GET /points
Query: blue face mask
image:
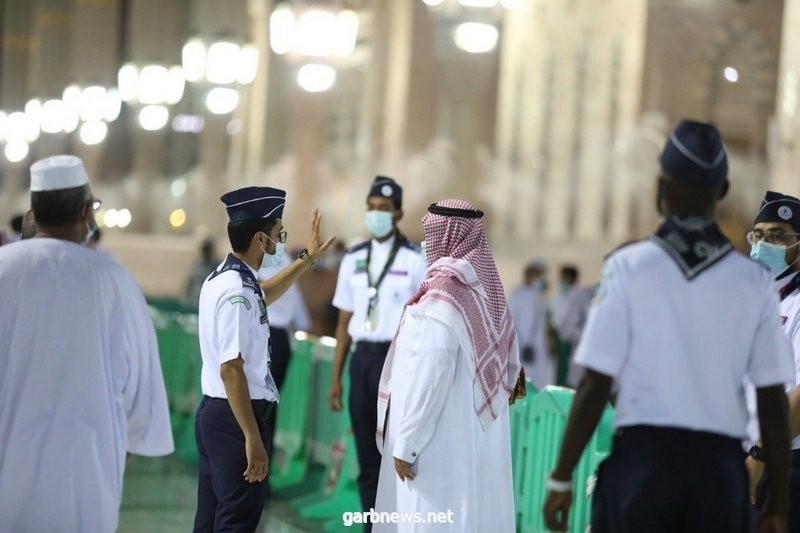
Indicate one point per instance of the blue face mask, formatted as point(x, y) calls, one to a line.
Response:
point(537, 285)
point(271, 260)
point(379, 223)
point(772, 256)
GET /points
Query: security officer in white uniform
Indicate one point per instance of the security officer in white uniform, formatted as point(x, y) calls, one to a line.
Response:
point(775, 242)
point(239, 392)
point(375, 280)
point(679, 320)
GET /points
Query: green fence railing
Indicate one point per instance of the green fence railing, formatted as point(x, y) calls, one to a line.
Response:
point(314, 463)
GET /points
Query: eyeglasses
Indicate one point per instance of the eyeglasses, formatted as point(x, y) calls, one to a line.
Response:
point(772, 235)
point(282, 237)
point(95, 203)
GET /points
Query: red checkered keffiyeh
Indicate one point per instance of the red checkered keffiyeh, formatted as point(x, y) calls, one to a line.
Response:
point(462, 274)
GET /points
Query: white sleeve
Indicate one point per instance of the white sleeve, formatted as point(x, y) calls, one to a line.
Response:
point(144, 395)
point(343, 297)
point(232, 320)
point(433, 369)
point(771, 361)
point(605, 343)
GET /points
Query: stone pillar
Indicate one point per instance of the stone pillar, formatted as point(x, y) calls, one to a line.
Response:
point(784, 144)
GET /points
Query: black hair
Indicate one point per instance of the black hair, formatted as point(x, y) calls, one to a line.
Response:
point(16, 223)
point(60, 207)
point(569, 273)
point(241, 233)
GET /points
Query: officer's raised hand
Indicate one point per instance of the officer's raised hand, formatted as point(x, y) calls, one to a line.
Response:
point(315, 248)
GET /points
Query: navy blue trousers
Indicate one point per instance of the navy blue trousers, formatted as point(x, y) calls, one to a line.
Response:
point(226, 502)
point(668, 480)
point(365, 376)
point(281, 353)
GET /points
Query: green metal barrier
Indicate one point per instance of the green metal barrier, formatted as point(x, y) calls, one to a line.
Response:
point(543, 434)
point(331, 445)
point(291, 427)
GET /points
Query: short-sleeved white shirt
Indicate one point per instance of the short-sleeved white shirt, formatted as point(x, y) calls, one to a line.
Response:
point(232, 320)
point(402, 280)
point(790, 320)
point(680, 350)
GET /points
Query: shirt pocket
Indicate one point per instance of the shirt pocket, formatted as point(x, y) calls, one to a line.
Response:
point(397, 288)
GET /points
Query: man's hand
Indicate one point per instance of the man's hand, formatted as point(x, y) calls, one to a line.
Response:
point(556, 510)
point(315, 249)
point(403, 470)
point(335, 396)
point(755, 470)
point(257, 461)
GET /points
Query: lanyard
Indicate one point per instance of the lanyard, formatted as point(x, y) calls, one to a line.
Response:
point(373, 288)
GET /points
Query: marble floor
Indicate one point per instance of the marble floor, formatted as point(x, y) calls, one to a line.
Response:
point(159, 497)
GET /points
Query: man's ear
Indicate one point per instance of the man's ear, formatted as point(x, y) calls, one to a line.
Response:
point(398, 214)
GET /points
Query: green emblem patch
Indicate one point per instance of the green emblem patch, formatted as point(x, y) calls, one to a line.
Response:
point(361, 266)
point(239, 300)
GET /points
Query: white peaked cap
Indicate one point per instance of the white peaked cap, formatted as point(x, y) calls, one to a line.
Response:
point(58, 172)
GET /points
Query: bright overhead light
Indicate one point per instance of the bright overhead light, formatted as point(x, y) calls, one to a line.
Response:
point(54, 116)
point(175, 84)
point(16, 150)
point(128, 82)
point(222, 100)
point(113, 105)
point(152, 84)
point(281, 29)
point(476, 37)
point(93, 132)
point(123, 218)
point(315, 78)
point(193, 58)
point(21, 127)
point(731, 74)
point(178, 187)
point(153, 117)
point(223, 60)
point(177, 218)
point(433, 3)
point(248, 65)
point(92, 103)
point(188, 123)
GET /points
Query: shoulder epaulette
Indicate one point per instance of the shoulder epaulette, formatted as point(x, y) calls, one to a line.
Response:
point(357, 247)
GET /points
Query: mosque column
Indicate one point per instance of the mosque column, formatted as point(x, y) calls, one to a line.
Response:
point(785, 138)
point(558, 188)
point(95, 60)
point(16, 49)
point(211, 19)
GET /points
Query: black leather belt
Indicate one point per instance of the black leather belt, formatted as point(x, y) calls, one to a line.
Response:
point(373, 348)
point(262, 409)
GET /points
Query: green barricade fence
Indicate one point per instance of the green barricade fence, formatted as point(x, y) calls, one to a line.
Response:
point(288, 463)
point(311, 439)
point(537, 445)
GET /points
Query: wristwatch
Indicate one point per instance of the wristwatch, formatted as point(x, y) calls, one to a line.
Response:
point(756, 452)
point(306, 257)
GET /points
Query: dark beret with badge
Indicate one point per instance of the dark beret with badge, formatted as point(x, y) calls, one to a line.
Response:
point(251, 203)
point(777, 207)
point(694, 154)
point(385, 187)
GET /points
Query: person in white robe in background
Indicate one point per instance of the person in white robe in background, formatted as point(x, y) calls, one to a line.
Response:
point(80, 378)
point(529, 311)
point(446, 385)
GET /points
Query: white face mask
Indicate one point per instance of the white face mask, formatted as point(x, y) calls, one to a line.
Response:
point(379, 223)
point(271, 260)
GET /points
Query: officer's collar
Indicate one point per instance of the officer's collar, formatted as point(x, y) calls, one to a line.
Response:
point(387, 244)
point(694, 243)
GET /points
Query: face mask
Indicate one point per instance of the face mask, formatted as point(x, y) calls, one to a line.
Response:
point(537, 284)
point(423, 248)
point(271, 260)
point(772, 256)
point(379, 223)
point(563, 287)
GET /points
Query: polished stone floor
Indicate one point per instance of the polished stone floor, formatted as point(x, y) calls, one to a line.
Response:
point(159, 497)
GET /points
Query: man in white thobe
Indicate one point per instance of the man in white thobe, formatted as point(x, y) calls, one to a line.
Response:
point(529, 312)
point(80, 379)
point(449, 375)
